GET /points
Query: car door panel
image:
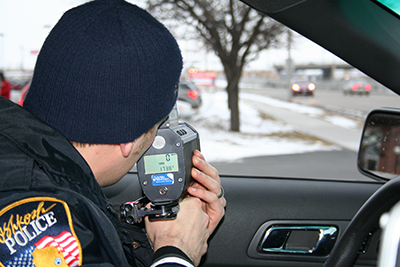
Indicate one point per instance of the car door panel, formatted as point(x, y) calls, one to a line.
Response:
point(253, 202)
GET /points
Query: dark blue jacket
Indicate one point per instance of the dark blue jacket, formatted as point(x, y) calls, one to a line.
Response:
point(50, 198)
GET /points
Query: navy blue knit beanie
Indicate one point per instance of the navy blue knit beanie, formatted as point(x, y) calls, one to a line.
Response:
point(106, 74)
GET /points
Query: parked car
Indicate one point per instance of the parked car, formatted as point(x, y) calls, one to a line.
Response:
point(357, 87)
point(189, 99)
point(303, 88)
point(310, 220)
point(189, 93)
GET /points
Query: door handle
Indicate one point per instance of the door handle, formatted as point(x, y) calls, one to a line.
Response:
point(306, 240)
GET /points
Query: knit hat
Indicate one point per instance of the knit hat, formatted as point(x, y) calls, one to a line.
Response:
point(106, 74)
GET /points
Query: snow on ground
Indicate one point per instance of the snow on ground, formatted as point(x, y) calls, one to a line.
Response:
point(311, 111)
point(258, 136)
point(342, 121)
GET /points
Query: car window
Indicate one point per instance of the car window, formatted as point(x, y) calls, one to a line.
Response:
point(282, 134)
point(184, 86)
point(290, 136)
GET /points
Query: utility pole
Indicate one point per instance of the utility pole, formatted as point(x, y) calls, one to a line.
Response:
point(289, 64)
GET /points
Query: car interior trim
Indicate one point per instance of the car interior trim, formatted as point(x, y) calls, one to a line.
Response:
point(303, 239)
point(328, 233)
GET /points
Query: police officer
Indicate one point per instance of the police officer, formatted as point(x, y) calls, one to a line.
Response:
point(105, 78)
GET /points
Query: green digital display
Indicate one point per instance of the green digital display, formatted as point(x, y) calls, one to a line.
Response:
point(161, 163)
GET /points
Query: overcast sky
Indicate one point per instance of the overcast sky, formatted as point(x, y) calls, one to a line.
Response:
point(24, 24)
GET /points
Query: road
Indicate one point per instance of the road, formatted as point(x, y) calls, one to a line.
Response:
point(340, 164)
point(336, 101)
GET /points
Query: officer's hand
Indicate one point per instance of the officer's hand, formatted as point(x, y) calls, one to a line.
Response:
point(189, 231)
point(207, 188)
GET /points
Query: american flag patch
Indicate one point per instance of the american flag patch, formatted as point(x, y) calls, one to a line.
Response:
point(65, 243)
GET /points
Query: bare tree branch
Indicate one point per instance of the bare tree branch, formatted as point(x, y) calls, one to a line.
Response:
point(235, 32)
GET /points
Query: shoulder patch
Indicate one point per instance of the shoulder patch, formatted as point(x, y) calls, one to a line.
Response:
point(38, 232)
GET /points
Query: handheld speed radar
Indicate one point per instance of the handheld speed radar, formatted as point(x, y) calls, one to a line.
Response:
point(164, 172)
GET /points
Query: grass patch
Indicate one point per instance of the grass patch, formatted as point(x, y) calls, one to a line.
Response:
point(292, 135)
point(295, 135)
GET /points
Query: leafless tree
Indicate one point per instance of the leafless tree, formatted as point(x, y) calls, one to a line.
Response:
point(233, 30)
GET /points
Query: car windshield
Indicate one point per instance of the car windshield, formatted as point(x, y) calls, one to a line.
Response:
point(301, 81)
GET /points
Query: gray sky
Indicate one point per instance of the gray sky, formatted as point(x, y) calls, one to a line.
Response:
point(24, 24)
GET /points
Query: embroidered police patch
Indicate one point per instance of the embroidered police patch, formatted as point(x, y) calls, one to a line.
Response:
point(38, 232)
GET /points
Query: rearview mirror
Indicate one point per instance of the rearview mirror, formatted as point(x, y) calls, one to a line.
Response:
point(379, 153)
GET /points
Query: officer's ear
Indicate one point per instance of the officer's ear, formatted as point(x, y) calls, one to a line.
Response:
point(127, 148)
